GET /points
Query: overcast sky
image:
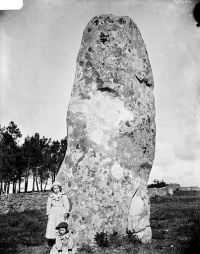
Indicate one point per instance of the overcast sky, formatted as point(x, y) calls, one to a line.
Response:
point(39, 45)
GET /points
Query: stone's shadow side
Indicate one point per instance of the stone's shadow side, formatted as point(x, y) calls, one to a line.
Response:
point(111, 132)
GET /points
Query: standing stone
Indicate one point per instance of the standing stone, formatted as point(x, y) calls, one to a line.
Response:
point(111, 132)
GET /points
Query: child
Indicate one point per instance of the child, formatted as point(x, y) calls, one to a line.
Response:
point(64, 240)
point(57, 210)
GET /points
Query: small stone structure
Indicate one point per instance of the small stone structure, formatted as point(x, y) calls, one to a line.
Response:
point(20, 202)
point(159, 192)
point(111, 132)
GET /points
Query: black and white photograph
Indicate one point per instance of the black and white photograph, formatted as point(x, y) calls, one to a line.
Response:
point(100, 127)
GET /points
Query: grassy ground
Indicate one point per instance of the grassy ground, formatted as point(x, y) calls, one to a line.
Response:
point(175, 222)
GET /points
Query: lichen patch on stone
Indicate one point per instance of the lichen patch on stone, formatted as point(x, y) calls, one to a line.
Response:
point(117, 171)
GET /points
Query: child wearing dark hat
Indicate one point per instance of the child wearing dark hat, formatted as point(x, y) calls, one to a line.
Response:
point(64, 240)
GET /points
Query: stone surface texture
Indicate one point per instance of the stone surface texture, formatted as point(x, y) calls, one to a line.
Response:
point(111, 132)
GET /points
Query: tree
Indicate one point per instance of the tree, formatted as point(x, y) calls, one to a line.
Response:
point(35, 151)
point(157, 184)
point(9, 145)
point(38, 157)
point(14, 131)
point(42, 169)
point(63, 149)
point(57, 151)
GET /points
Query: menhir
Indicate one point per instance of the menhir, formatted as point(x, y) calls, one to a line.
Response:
point(111, 132)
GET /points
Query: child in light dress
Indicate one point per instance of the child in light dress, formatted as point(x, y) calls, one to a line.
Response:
point(57, 210)
point(64, 240)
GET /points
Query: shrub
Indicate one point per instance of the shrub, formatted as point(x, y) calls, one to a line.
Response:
point(127, 241)
point(101, 239)
point(157, 184)
point(131, 237)
point(115, 240)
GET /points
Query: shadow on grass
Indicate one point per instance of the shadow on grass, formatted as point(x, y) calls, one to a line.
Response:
point(191, 244)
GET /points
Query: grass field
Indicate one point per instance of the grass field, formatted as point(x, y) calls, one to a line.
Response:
point(175, 222)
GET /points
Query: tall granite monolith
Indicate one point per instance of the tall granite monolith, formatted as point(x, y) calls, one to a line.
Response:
point(111, 132)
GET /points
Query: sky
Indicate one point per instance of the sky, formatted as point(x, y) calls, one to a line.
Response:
point(39, 45)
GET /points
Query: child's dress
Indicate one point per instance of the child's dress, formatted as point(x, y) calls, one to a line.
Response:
point(57, 206)
point(64, 243)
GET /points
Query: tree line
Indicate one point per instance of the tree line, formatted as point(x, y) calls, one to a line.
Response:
point(37, 159)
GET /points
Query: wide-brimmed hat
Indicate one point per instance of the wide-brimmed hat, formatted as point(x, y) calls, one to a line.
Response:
point(56, 183)
point(62, 225)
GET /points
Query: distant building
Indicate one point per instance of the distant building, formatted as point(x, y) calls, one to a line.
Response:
point(174, 186)
point(189, 188)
